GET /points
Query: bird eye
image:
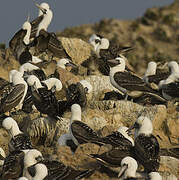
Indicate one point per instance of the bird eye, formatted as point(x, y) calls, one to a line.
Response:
point(97, 41)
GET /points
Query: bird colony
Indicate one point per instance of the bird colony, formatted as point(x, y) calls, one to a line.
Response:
point(131, 152)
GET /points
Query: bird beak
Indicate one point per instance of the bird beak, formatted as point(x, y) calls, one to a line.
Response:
point(42, 9)
point(28, 18)
point(134, 126)
point(71, 64)
point(113, 61)
point(122, 170)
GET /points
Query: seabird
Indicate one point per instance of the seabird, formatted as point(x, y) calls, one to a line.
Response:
point(31, 158)
point(128, 169)
point(169, 87)
point(76, 93)
point(13, 165)
point(65, 62)
point(146, 149)
point(45, 40)
point(127, 82)
point(105, 49)
point(19, 42)
point(152, 75)
point(122, 146)
point(52, 83)
point(44, 100)
point(16, 77)
point(43, 8)
point(19, 140)
point(56, 169)
point(10, 95)
point(79, 132)
point(38, 171)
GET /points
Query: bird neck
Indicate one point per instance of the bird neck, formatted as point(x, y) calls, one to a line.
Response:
point(75, 116)
point(41, 172)
point(118, 68)
point(128, 137)
point(45, 21)
point(26, 39)
point(51, 82)
point(145, 129)
point(15, 130)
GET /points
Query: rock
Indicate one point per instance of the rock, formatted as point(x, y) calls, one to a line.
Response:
point(67, 77)
point(170, 164)
point(99, 83)
point(76, 48)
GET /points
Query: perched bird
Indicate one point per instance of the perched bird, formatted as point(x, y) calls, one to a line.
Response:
point(146, 149)
point(10, 95)
point(153, 75)
point(20, 41)
point(19, 140)
point(127, 82)
point(51, 168)
point(31, 158)
point(16, 77)
point(170, 86)
point(79, 132)
point(44, 100)
point(65, 62)
point(44, 40)
point(13, 165)
point(122, 146)
point(44, 8)
point(76, 93)
point(128, 169)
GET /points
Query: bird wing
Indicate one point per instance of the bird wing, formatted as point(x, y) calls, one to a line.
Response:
point(116, 139)
point(13, 165)
point(146, 151)
point(131, 82)
point(112, 157)
point(83, 133)
point(157, 77)
point(171, 89)
point(17, 39)
point(34, 25)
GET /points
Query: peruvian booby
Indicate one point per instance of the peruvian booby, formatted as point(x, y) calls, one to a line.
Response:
point(152, 75)
point(128, 169)
point(44, 100)
point(37, 172)
point(146, 149)
point(13, 165)
point(10, 95)
point(65, 62)
point(31, 158)
point(106, 49)
point(122, 146)
point(20, 41)
point(19, 140)
point(47, 41)
point(16, 77)
point(44, 8)
point(81, 132)
point(127, 82)
point(170, 86)
point(76, 93)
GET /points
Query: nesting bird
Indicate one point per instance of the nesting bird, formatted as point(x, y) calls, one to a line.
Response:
point(127, 82)
point(19, 141)
point(146, 149)
point(170, 86)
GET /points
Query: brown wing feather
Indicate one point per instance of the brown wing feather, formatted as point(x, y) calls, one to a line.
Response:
point(17, 39)
point(131, 82)
point(34, 25)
